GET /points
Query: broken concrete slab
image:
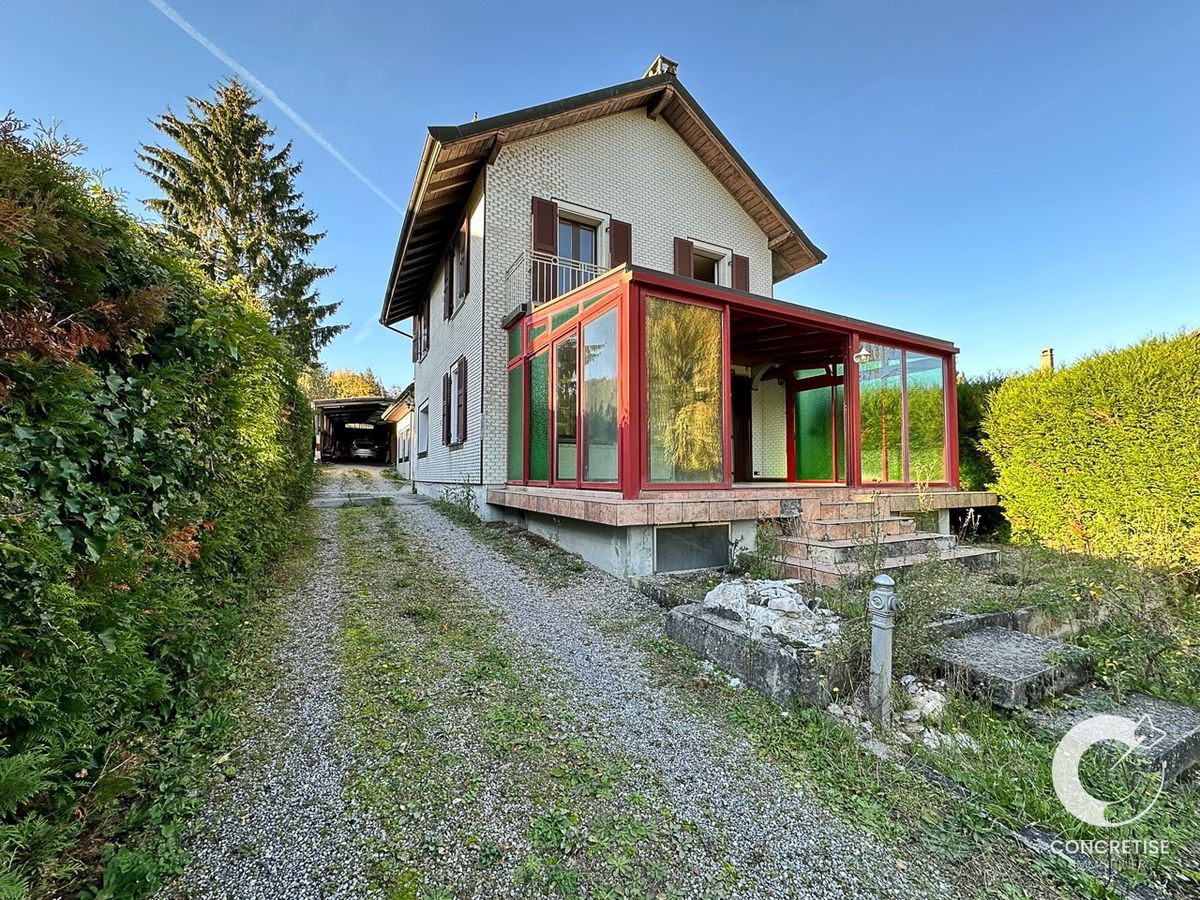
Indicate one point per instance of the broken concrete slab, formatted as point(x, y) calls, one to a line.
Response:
point(1010, 668)
point(1171, 730)
point(783, 673)
point(336, 502)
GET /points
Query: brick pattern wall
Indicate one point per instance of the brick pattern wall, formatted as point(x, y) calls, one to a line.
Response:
point(768, 429)
point(627, 166)
point(448, 340)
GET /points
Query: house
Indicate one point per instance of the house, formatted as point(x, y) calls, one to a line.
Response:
point(598, 353)
point(401, 414)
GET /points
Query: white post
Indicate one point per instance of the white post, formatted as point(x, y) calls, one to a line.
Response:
point(883, 604)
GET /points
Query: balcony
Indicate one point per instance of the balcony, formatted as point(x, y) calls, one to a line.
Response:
point(537, 278)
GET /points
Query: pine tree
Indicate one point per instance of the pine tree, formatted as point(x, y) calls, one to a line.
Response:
point(230, 197)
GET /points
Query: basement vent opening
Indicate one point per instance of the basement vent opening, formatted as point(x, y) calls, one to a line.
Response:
point(683, 548)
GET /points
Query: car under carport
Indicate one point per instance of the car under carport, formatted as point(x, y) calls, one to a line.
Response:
point(352, 429)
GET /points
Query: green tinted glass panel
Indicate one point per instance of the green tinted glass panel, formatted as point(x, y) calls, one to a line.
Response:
point(592, 301)
point(814, 434)
point(685, 418)
point(566, 408)
point(882, 427)
point(514, 341)
point(539, 417)
point(839, 424)
point(516, 423)
point(926, 418)
point(600, 398)
point(536, 332)
point(563, 316)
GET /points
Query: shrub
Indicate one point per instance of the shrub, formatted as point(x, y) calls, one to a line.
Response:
point(1100, 457)
point(975, 469)
point(154, 448)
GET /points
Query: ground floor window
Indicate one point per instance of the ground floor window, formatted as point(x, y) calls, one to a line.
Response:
point(516, 422)
point(599, 363)
point(539, 416)
point(685, 386)
point(423, 429)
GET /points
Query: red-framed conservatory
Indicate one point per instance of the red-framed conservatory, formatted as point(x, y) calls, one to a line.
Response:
point(640, 382)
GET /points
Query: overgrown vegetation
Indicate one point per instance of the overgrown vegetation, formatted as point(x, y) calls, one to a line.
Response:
point(1100, 457)
point(975, 469)
point(154, 450)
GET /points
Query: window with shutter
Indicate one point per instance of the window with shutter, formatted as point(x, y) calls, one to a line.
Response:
point(448, 283)
point(446, 408)
point(461, 400)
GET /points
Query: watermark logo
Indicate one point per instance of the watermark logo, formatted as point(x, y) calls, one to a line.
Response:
point(1075, 798)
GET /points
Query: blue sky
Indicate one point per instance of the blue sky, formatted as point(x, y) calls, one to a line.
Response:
point(1008, 175)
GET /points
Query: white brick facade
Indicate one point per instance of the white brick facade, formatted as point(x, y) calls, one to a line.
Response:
point(449, 339)
point(626, 166)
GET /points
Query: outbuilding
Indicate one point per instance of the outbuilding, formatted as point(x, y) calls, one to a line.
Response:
point(353, 429)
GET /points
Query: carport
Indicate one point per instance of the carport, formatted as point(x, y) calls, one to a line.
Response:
point(347, 424)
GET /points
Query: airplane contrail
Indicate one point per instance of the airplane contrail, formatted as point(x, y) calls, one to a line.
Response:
point(269, 94)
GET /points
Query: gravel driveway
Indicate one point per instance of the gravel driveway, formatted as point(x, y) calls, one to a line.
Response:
point(285, 827)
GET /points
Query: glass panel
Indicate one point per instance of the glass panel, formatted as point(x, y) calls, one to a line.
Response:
point(539, 417)
point(684, 356)
point(839, 424)
point(566, 407)
point(514, 341)
point(575, 242)
point(814, 434)
point(600, 398)
point(516, 423)
point(536, 332)
point(879, 387)
point(563, 316)
point(926, 418)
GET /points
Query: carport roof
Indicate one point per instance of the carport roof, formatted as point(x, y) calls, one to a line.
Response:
point(344, 409)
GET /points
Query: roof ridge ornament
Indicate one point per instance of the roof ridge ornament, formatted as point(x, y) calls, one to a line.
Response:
point(662, 65)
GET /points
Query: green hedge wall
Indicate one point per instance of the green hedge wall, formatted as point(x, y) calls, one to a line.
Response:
point(1103, 456)
point(154, 451)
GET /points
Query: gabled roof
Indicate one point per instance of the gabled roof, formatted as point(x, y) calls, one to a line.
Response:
point(454, 156)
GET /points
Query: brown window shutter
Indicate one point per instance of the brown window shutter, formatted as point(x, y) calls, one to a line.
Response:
point(446, 408)
point(545, 226)
point(464, 258)
point(448, 283)
point(416, 337)
point(683, 258)
point(620, 243)
point(740, 275)
point(462, 399)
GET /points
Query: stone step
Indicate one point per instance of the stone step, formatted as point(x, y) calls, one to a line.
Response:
point(830, 574)
point(840, 509)
point(928, 544)
point(1170, 731)
point(1010, 668)
point(851, 529)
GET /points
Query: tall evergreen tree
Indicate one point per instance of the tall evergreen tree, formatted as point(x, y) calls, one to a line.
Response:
point(230, 196)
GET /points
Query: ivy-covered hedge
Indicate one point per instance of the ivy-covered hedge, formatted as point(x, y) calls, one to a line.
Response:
point(154, 450)
point(1102, 456)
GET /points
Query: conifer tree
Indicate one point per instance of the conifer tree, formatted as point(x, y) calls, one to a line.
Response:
point(230, 197)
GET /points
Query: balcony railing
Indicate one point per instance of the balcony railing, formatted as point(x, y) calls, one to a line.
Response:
point(538, 278)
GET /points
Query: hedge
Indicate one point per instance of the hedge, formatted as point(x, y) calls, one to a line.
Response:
point(1103, 456)
point(154, 451)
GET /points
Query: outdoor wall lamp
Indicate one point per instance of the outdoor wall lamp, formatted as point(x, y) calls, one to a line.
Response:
point(862, 356)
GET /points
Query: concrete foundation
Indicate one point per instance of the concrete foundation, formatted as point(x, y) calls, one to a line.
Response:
point(785, 674)
point(625, 551)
